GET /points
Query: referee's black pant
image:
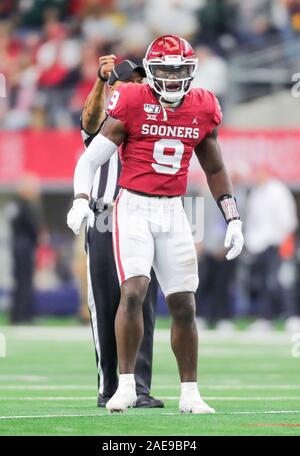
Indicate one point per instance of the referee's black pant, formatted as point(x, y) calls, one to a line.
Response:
point(22, 307)
point(103, 299)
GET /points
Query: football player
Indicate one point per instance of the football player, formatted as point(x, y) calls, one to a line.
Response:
point(160, 124)
point(103, 285)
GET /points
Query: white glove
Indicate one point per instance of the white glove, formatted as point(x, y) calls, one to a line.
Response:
point(234, 239)
point(80, 211)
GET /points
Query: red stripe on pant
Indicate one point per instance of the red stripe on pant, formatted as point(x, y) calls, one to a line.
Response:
point(117, 241)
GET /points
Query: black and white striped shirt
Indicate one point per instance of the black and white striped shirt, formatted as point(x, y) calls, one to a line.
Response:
point(105, 187)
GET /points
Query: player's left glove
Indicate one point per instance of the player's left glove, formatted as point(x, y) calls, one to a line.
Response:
point(79, 211)
point(234, 239)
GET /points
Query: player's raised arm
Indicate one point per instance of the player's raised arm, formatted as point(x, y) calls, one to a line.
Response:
point(210, 158)
point(103, 146)
point(93, 113)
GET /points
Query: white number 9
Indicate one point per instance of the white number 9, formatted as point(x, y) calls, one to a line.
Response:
point(114, 100)
point(167, 164)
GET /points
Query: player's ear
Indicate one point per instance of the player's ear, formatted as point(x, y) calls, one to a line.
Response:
point(111, 89)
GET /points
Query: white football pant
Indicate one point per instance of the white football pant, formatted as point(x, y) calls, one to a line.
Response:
point(151, 231)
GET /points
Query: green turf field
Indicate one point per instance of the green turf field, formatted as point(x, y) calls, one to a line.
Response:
point(47, 386)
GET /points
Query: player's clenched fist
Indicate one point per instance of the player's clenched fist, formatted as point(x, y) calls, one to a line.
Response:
point(106, 65)
point(78, 213)
point(234, 239)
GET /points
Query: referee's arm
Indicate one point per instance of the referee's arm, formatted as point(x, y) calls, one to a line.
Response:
point(93, 113)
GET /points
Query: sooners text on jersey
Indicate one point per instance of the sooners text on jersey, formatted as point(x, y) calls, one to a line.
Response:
point(157, 151)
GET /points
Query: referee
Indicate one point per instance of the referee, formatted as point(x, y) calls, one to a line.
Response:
point(103, 285)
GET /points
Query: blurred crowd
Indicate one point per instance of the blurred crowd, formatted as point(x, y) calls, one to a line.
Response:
point(264, 282)
point(49, 49)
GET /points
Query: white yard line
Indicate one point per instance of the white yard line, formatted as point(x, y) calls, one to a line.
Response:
point(245, 352)
point(258, 412)
point(50, 398)
point(23, 378)
point(81, 415)
point(91, 387)
point(78, 333)
point(171, 398)
point(238, 398)
point(250, 387)
point(48, 387)
point(230, 387)
point(23, 417)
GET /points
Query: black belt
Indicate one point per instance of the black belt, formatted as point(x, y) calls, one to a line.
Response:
point(149, 194)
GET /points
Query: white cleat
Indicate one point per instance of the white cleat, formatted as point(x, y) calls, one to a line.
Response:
point(121, 401)
point(196, 406)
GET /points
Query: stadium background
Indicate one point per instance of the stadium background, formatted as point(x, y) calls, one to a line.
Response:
point(248, 55)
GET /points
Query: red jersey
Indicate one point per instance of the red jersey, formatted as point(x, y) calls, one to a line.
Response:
point(157, 151)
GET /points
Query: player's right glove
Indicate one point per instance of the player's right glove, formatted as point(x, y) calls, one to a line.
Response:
point(78, 213)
